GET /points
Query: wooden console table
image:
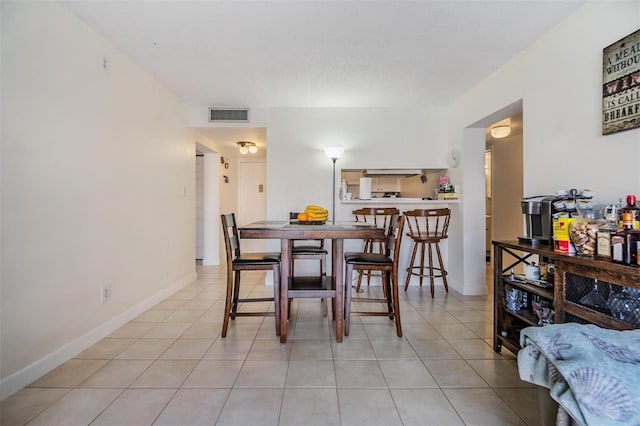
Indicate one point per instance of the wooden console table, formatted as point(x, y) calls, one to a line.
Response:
point(575, 276)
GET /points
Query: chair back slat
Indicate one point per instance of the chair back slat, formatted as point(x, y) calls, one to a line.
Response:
point(379, 217)
point(231, 236)
point(428, 223)
point(394, 236)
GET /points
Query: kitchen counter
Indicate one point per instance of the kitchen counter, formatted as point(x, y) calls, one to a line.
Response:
point(400, 201)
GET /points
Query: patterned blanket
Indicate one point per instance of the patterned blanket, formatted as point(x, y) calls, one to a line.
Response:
point(592, 372)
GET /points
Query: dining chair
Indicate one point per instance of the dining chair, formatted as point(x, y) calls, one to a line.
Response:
point(237, 262)
point(309, 250)
point(427, 228)
point(379, 217)
point(387, 263)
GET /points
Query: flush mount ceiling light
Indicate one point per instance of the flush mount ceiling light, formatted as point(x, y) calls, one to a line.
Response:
point(500, 131)
point(247, 147)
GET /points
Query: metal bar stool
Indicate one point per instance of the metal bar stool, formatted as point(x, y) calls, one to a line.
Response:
point(236, 262)
point(427, 228)
point(387, 263)
point(380, 217)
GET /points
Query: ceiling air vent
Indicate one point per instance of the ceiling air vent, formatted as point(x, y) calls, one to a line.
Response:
point(236, 115)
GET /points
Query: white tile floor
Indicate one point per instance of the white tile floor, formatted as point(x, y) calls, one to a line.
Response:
point(170, 367)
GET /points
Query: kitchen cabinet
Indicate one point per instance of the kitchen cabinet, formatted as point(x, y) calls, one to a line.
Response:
point(352, 178)
point(574, 281)
point(385, 184)
point(378, 183)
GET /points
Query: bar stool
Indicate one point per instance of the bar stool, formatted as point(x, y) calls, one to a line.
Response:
point(380, 217)
point(427, 228)
point(236, 262)
point(387, 263)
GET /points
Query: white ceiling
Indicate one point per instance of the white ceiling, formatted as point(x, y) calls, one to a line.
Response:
point(321, 53)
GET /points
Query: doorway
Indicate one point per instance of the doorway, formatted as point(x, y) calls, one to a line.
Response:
point(505, 181)
point(252, 197)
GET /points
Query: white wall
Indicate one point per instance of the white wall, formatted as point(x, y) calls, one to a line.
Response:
point(98, 177)
point(559, 80)
point(298, 171)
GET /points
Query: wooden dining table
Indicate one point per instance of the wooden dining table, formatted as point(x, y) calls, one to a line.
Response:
point(286, 231)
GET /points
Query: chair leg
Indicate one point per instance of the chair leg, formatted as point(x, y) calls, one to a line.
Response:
point(236, 293)
point(385, 288)
point(442, 271)
point(227, 303)
point(396, 301)
point(361, 272)
point(386, 285)
point(422, 253)
point(410, 268)
point(431, 277)
point(323, 302)
point(347, 302)
point(276, 296)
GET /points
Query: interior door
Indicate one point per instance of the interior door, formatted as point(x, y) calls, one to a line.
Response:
point(252, 198)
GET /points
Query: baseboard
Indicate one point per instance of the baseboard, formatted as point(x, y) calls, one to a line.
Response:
point(13, 383)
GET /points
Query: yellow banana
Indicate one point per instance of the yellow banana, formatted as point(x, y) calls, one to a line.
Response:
point(314, 208)
point(322, 217)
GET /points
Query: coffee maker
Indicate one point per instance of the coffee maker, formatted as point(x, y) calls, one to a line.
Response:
point(537, 213)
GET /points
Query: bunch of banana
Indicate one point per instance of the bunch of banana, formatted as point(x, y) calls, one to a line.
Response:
point(316, 213)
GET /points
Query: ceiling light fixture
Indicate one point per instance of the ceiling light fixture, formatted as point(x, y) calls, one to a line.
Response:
point(501, 131)
point(246, 147)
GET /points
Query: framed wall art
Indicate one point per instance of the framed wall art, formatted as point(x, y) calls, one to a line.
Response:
point(621, 85)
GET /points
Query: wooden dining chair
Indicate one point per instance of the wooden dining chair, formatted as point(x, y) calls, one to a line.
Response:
point(387, 263)
point(309, 250)
point(237, 262)
point(427, 228)
point(379, 217)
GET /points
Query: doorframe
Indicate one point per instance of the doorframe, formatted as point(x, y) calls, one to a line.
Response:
point(474, 142)
point(211, 206)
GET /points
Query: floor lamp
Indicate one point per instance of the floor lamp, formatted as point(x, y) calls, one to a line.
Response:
point(334, 153)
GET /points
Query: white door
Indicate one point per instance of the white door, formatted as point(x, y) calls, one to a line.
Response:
point(252, 198)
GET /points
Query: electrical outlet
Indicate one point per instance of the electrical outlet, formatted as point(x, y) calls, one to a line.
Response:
point(105, 293)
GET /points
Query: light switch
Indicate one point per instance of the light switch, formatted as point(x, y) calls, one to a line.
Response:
point(261, 188)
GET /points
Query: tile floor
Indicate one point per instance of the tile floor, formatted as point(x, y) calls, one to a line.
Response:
point(169, 366)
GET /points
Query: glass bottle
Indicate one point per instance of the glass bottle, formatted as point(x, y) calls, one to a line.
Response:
point(605, 232)
point(633, 209)
point(624, 244)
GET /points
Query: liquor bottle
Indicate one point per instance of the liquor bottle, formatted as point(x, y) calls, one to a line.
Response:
point(605, 232)
point(633, 209)
point(624, 244)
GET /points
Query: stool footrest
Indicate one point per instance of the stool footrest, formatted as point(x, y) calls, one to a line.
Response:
point(418, 274)
point(252, 314)
point(258, 299)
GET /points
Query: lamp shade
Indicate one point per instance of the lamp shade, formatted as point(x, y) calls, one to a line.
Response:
point(334, 152)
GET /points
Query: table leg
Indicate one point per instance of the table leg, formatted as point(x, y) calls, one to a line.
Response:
point(285, 253)
point(336, 251)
